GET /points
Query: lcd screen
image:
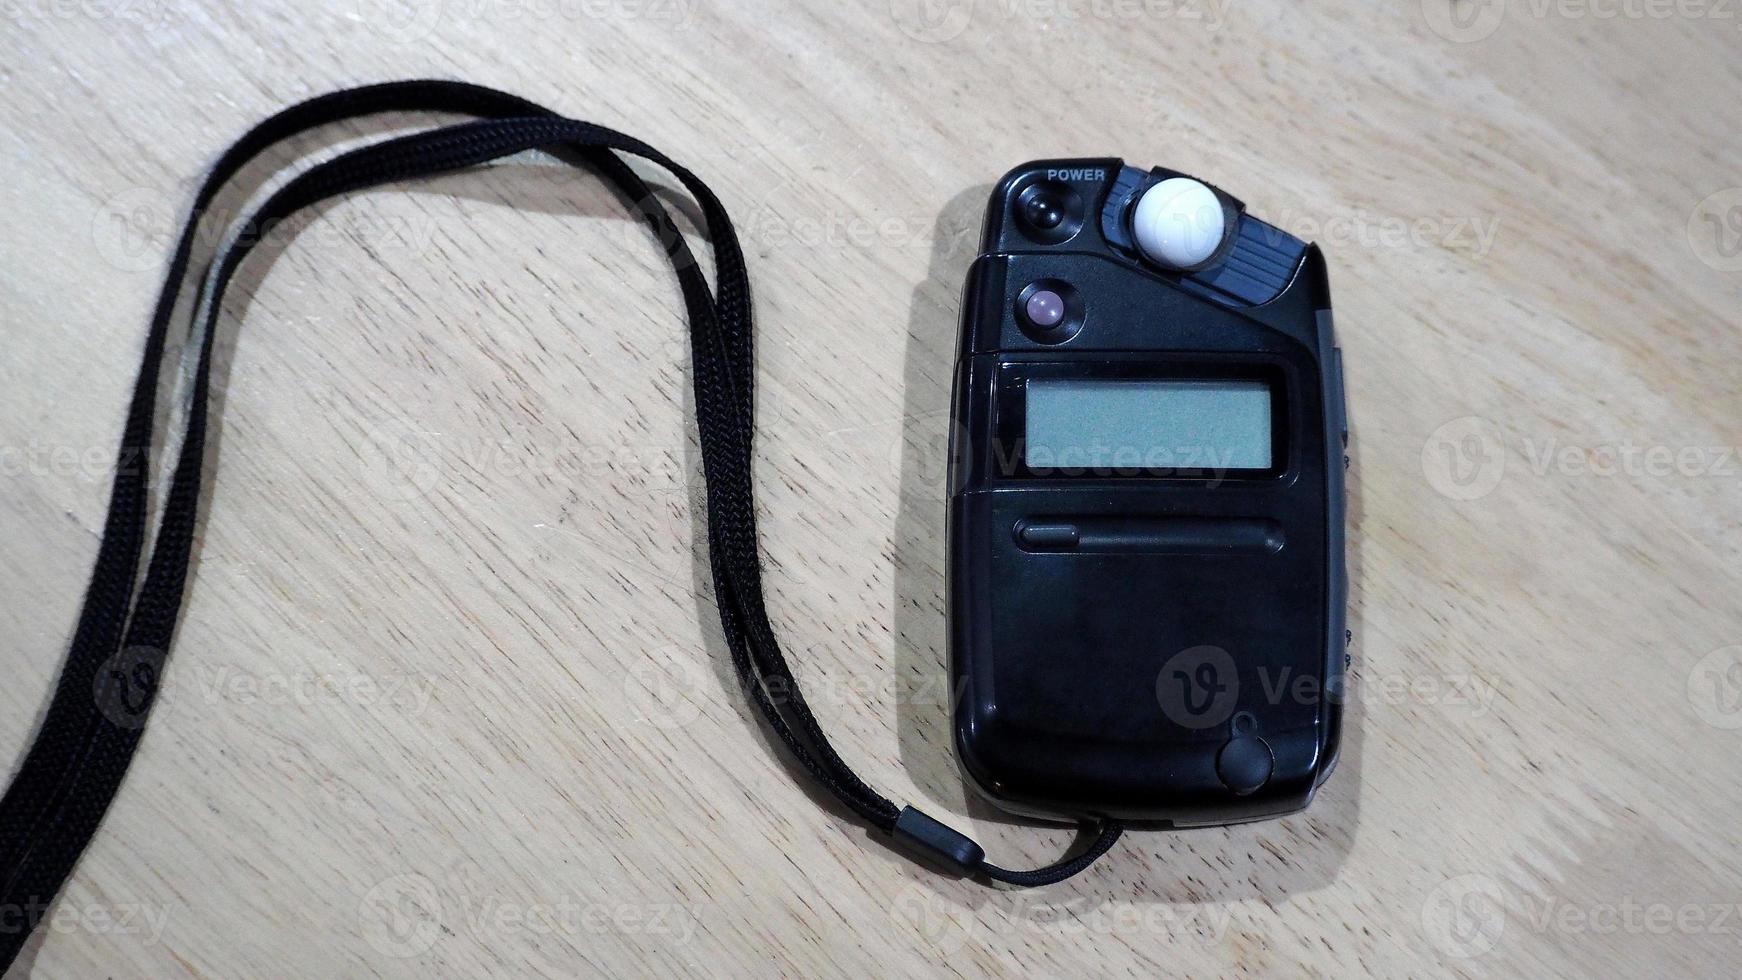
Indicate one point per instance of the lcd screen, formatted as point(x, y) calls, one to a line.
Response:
point(1076, 425)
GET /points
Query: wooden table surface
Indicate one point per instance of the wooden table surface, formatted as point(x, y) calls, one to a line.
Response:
point(449, 696)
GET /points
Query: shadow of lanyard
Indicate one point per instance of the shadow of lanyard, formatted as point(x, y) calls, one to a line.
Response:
point(112, 672)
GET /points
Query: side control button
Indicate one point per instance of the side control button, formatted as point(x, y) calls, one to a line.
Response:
point(1244, 764)
point(1342, 402)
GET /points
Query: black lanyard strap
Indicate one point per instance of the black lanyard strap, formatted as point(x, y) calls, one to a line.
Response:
point(111, 676)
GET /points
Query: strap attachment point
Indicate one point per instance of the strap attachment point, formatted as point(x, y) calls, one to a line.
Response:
point(938, 841)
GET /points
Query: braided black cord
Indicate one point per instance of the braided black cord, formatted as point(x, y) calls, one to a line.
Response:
point(74, 767)
point(1107, 833)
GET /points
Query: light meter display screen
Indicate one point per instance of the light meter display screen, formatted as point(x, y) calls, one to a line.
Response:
point(1084, 425)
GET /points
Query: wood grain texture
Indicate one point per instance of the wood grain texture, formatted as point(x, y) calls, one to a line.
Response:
point(449, 696)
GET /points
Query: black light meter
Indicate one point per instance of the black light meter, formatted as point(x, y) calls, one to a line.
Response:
point(1146, 512)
